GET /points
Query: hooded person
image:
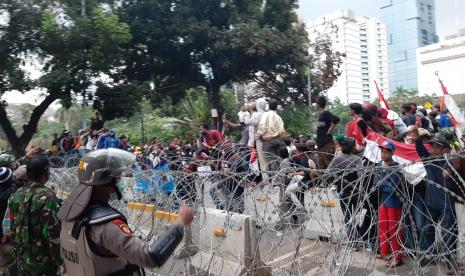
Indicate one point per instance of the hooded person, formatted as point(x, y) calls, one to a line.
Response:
point(95, 238)
point(253, 123)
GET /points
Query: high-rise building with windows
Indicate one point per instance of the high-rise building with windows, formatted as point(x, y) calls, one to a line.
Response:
point(410, 24)
point(362, 40)
point(445, 59)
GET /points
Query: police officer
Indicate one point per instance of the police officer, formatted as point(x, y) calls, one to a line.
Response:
point(95, 239)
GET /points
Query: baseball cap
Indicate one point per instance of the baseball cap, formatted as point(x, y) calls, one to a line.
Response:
point(339, 137)
point(389, 145)
point(439, 140)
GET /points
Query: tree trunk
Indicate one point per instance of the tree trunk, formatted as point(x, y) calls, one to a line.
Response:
point(215, 103)
point(19, 144)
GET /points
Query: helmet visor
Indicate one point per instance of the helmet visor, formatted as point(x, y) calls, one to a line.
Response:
point(98, 166)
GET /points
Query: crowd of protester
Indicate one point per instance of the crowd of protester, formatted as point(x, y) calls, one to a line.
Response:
point(400, 218)
point(85, 141)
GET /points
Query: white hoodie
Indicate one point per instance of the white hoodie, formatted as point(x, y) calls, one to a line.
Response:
point(254, 121)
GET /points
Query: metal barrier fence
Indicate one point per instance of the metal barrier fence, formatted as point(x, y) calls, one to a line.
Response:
point(245, 225)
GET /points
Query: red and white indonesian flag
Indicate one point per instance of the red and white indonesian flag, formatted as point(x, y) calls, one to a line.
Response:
point(458, 120)
point(392, 115)
point(405, 154)
point(382, 101)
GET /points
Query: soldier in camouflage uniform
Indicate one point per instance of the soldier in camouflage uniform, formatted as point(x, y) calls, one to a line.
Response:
point(34, 223)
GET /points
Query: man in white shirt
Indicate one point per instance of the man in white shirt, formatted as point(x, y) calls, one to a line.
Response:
point(270, 131)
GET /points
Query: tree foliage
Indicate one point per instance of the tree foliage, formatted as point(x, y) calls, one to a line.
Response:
point(211, 43)
point(115, 55)
point(71, 47)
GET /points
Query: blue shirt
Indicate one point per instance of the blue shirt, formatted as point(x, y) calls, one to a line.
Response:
point(388, 180)
point(111, 142)
point(444, 121)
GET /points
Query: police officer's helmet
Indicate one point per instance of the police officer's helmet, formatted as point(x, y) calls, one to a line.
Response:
point(100, 167)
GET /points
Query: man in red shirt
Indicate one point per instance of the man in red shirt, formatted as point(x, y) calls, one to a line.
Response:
point(209, 138)
point(353, 127)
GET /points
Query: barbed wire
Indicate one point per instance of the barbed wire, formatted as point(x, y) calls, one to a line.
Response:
point(247, 222)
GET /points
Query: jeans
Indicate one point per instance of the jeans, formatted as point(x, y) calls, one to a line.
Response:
point(415, 225)
point(419, 213)
point(448, 223)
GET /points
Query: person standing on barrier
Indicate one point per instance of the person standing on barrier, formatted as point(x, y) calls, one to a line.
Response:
point(389, 181)
point(439, 203)
point(324, 133)
point(270, 132)
point(95, 238)
point(356, 128)
point(253, 123)
point(34, 225)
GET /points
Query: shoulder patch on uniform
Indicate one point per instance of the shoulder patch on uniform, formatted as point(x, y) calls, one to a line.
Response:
point(122, 226)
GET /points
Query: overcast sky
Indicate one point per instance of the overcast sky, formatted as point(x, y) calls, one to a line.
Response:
point(450, 14)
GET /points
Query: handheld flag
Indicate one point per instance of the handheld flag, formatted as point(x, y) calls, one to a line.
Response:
point(382, 101)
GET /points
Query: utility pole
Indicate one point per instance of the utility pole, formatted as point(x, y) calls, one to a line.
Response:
point(309, 82)
point(83, 8)
point(142, 136)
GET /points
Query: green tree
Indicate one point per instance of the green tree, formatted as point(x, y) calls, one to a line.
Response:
point(296, 119)
point(291, 85)
point(342, 111)
point(73, 43)
point(400, 91)
point(212, 43)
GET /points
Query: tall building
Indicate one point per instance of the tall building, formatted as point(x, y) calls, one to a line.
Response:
point(447, 59)
point(363, 42)
point(410, 25)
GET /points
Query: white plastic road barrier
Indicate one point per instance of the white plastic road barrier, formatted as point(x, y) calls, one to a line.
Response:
point(263, 204)
point(228, 245)
point(325, 218)
point(203, 187)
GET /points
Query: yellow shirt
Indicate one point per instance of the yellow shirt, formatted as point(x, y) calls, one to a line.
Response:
point(271, 125)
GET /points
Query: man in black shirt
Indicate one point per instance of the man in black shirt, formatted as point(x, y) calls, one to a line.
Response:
point(324, 133)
